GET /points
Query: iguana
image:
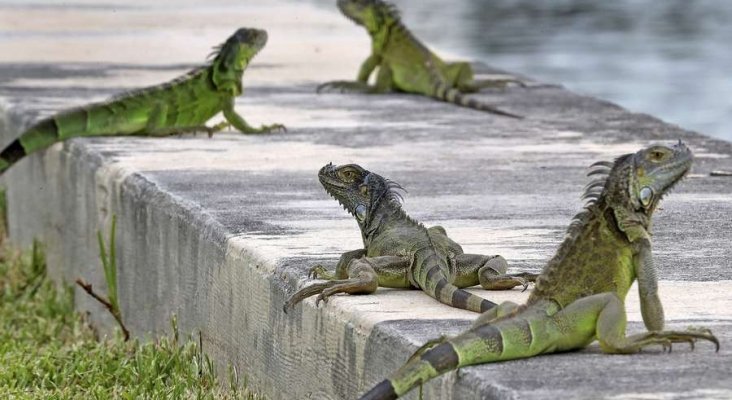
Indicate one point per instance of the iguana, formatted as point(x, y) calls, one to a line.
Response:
point(400, 252)
point(407, 65)
point(180, 106)
point(579, 296)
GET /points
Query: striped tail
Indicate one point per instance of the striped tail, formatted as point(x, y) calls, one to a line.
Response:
point(449, 294)
point(38, 137)
point(11, 155)
point(432, 363)
point(479, 345)
point(452, 95)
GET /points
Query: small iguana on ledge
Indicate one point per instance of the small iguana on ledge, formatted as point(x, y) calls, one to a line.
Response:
point(182, 105)
point(400, 252)
point(579, 296)
point(407, 65)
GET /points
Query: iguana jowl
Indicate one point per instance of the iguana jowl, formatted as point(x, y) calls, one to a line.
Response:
point(579, 296)
point(406, 65)
point(400, 252)
point(179, 106)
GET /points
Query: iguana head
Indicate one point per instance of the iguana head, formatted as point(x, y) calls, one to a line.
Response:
point(636, 183)
point(371, 14)
point(233, 56)
point(359, 191)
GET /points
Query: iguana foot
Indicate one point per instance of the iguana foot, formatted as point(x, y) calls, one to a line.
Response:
point(527, 276)
point(504, 282)
point(363, 283)
point(248, 130)
point(345, 87)
point(319, 272)
point(667, 338)
point(272, 128)
point(351, 286)
point(303, 294)
point(216, 128)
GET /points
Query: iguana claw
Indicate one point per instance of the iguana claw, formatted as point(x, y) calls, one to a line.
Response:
point(345, 87)
point(320, 272)
point(273, 128)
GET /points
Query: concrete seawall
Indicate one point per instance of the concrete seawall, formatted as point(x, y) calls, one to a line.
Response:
point(220, 231)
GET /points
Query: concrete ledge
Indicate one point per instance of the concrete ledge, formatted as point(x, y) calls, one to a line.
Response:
point(219, 231)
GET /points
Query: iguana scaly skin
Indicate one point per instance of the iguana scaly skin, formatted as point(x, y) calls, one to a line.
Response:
point(400, 252)
point(407, 65)
point(579, 296)
point(179, 106)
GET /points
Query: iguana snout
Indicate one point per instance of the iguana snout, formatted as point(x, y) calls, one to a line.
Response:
point(348, 184)
point(251, 36)
point(369, 13)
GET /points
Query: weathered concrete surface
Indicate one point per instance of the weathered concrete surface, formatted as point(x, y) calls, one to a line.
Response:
point(219, 231)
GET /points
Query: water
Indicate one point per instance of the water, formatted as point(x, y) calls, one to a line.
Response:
point(668, 58)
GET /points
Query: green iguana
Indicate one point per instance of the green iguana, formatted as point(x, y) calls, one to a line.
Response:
point(400, 252)
point(180, 106)
point(407, 65)
point(579, 296)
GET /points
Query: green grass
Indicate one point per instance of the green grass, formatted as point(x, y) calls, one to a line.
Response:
point(48, 351)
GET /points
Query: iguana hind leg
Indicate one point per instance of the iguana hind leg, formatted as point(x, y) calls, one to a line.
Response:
point(189, 129)
point(507, 308)
point(384, 84)
point(156, 124)
point(603, 316)
point(463, 79)
point(488, 271)
point(365, 275)
point(346, 87)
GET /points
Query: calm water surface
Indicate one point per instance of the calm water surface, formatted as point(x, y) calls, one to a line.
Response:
point(668, 58)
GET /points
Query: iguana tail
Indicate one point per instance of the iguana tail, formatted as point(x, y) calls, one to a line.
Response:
point(40, 136)
point(486, 343)
point(452, 95)
point(447, 293)
point(75, 122)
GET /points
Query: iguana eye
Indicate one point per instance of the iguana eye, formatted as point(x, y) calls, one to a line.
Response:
point(646, 195)
point(657, 155)
point(348, 175)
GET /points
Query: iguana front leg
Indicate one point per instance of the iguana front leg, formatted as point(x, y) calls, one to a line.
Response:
point(488, 271)
point(365, 275)
point(367, 67)
point(238, 122)
point(463, 79)
point(645, 271)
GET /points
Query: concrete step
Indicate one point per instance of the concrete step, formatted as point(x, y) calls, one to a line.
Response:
point(220, 231)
